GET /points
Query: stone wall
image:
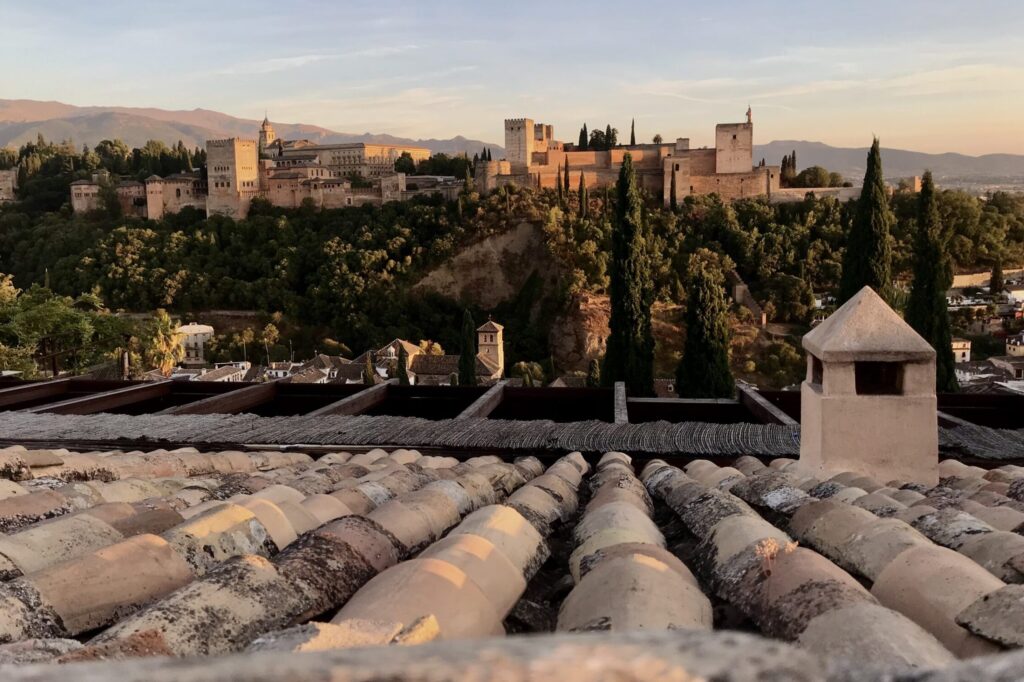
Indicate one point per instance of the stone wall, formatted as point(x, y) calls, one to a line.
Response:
point(793, 194)
point(8, 183)
point(981, 279)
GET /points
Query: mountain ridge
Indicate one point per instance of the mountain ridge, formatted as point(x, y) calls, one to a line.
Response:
point(21, 120)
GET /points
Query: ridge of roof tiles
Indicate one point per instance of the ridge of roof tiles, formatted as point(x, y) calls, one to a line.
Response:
point(246, 558)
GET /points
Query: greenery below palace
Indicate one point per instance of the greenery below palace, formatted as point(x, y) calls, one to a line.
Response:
point(347, 275)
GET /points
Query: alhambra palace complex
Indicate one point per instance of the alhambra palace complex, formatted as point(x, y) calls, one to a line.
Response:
point(535, 159)
point(288, 172)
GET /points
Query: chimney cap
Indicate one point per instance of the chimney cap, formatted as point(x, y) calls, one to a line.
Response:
point(865, 328)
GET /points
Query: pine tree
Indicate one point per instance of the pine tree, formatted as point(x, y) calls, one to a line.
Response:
point(632, 132)
point(403, 365)
point(583, 197)
point(926, 309)
point(594, 374)
point(583, 137)
point(996, 283)
point(369, 373)
point(467, 353)
point(867, 259)
point(565, 179)
point(629, 354)
point(704, 369)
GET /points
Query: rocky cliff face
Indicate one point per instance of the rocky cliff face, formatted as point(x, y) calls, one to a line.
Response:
point(494, 270)
point(580, 332)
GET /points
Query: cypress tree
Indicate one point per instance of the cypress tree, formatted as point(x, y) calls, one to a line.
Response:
point(632, 132)
point(867, 259)
point(565, 180)
point(558, 183)
point(594, 374)
point(629, 354)
point(403, 366)
point(704, 370)
point(467, 353)
point(489, 156)
point(996, 283)
point(608, 137)
point(369, 373)
point(583, 137)
point(926, 305)
point(584, 197)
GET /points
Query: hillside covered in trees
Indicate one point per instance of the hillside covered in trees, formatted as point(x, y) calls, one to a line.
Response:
point(347, 274)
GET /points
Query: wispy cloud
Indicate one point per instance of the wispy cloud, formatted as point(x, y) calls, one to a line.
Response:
point(276, 64)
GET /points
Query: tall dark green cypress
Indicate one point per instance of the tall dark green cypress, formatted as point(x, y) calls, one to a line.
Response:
point(868, 256)
point(559, 184)
point(467, 353)
point(629, 354)
point(403, 366)
point(369, 373)
point(583, 137)
point(632, 132)
point(996, 284)
point(583, 197)
point(704, 369)
point(926, 309)
point(565, 180)
point(608, 137)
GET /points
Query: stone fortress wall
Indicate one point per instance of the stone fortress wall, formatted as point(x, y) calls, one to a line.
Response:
point(535, 159)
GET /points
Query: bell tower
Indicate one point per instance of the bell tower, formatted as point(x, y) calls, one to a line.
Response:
point(491, 346)
point(267, 136)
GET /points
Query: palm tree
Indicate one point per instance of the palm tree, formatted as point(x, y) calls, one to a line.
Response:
point(165, 349)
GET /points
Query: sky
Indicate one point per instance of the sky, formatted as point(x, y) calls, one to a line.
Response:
point(933, 76)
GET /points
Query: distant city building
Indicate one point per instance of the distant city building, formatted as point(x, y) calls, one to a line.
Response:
point(194, 341)
point(961, 350)
point(1014, 364)
point(1015, 346)
point(534, 158)
point(225, 372)
point(286, 173)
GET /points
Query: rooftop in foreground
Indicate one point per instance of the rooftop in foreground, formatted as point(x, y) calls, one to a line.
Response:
point(275, 565)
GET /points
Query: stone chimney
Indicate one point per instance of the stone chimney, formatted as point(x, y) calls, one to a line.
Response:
point(868, 404)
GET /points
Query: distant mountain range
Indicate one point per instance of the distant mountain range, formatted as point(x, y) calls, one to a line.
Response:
point(22, 120)
point(896, 163)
